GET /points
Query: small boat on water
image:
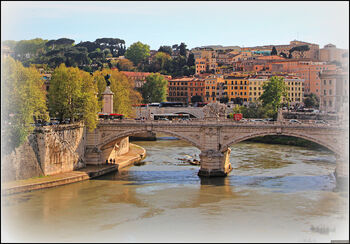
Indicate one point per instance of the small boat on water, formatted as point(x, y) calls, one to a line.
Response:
point(195, 162)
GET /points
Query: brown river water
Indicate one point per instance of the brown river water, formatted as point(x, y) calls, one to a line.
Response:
point(275, 193)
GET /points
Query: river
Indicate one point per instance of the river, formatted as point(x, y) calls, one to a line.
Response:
point(275, 193)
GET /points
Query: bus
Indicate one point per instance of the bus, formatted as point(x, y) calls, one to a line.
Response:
point(171, 116)
point(110, 116)
point(171, 104)
point(140, 105)
point(154, 105)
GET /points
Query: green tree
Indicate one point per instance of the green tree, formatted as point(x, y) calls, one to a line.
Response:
point(125, 65)
point(191, 60)
point(160, 60)
point(72, 95)
point(124, 94)
point(311, 101)
point(274, 51)
point(183, 51)
point(274, 90)
point(138, 52)
point(155, 89)
point(301, 49)
point(283, 55)
point(23, 100)
point(165, 49)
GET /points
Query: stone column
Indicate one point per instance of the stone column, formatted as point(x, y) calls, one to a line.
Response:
point(214, 163)
point(107, 101)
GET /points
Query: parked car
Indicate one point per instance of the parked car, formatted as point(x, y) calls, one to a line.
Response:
point(295, 121)
point(320, 122)
point(257, 120)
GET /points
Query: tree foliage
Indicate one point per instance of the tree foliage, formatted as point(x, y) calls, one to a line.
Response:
point(124, 94)
point(311, 101)
point(23, 100)
point(274, 90)
point(138, 52)
point(125, 65)
point(155, 89)
point(274, 51)
point(165, 49)
point(72, 95)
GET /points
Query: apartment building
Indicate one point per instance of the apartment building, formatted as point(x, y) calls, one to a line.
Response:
point(304, 69)
point(334, 90)
point(294, 88)
point(237, 86)
point(183, 89)
point(213, 91)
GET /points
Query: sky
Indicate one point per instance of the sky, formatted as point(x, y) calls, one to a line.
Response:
point(196, 23)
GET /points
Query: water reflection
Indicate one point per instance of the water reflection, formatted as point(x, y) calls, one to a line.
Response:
point(274, 193)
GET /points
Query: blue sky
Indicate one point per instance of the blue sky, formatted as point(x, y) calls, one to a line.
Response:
point(168, 22)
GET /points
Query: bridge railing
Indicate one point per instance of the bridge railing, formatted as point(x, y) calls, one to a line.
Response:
point(222, 122)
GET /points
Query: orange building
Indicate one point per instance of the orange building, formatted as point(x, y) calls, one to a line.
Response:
point(183, 89)
point(212, 88)
point(237, 85)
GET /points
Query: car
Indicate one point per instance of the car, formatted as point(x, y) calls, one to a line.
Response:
point(320, 122)
point(257, 120)
point(294, 121)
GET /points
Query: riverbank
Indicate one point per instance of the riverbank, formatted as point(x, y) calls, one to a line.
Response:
point(135, 154)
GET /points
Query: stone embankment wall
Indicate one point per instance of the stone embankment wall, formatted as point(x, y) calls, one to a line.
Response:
point(48, 150)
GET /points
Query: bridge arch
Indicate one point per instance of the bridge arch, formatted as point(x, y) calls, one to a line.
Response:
point(332, 148)
point(119, 135)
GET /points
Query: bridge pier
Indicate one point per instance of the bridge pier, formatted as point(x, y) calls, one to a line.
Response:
point(342, 172)
point(215, 163)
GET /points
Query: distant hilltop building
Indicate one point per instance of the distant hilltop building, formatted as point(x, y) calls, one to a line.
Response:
point(312, 53)
point(330, 53)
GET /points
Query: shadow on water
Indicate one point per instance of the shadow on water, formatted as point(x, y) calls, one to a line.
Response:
point(185, 177)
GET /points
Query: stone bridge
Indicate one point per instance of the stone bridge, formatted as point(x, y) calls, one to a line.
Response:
point(213, 138)
point(194, 112)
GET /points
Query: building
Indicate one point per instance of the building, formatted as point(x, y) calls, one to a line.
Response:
point(304, 69)
point(237, 86)
point(334, 90)
point(294, 88)
point(213, 88)
point(330, 53)
point(183, 89)
point(139, 78)
point(313, 52)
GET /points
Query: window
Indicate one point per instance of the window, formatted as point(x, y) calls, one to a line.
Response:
point(330, 91)
point(324, 82)
point(330, 103)
point(330, 82)
point(324, 92)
